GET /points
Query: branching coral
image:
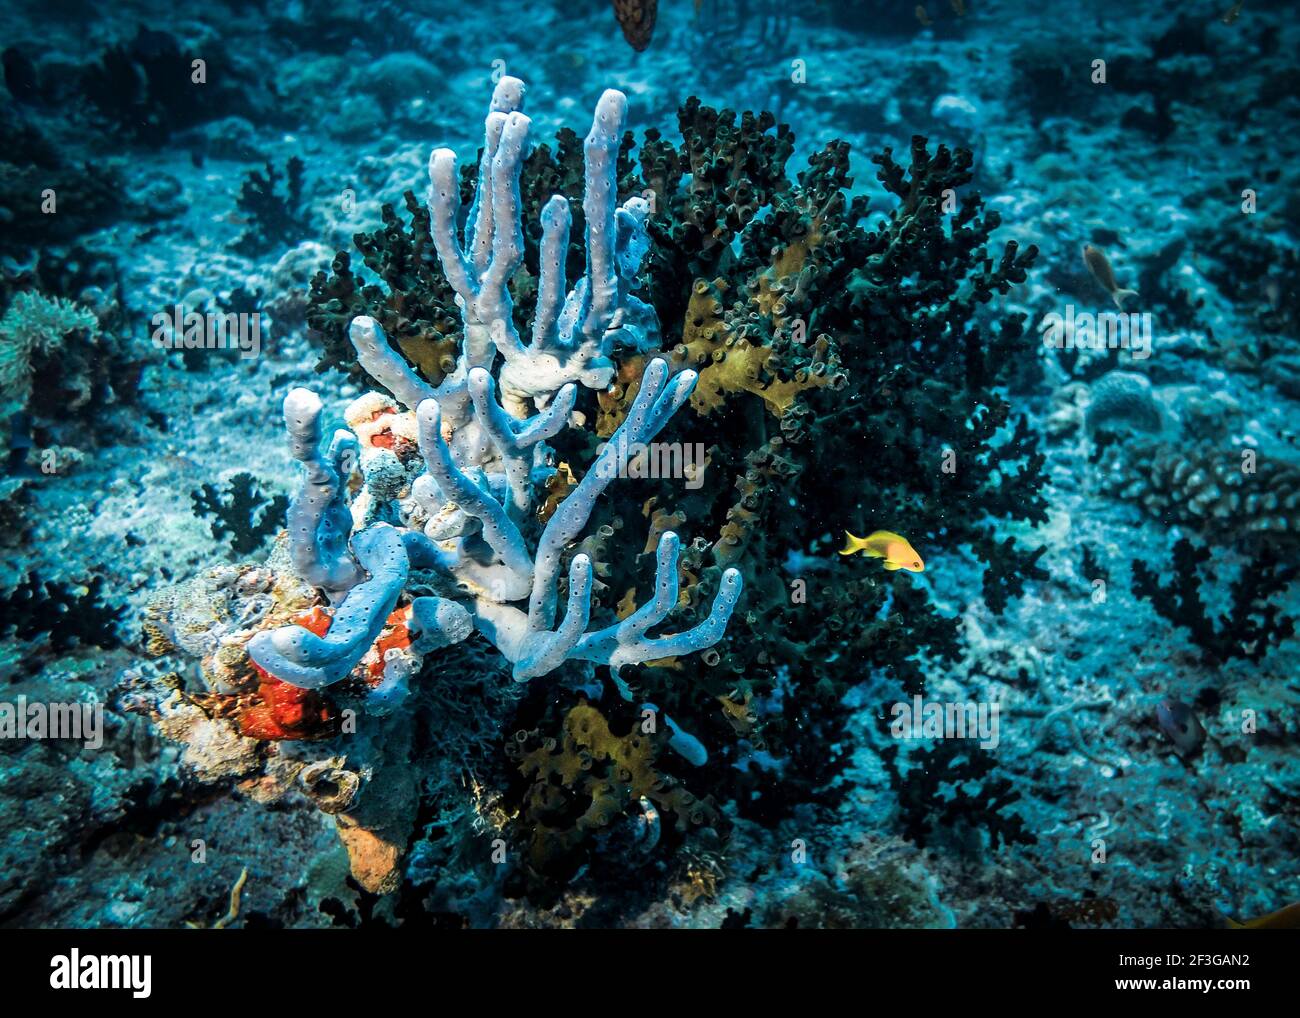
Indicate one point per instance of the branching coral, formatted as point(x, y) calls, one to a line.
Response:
point(241, 513)
point(975, 799)
point(275, 220)
point(65, 613)
point(851, 339)
point(1254, 622)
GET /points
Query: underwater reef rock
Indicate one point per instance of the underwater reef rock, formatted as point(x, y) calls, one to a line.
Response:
point(1258, 268)
point(153, 86)
point(45, 198)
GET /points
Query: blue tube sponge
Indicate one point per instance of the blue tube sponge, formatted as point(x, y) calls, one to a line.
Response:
point(626, 642)
point(482, 435)
point(438, 622)
point(301, 658)
point(656, 401)
point(573, 334)
point(319, 519)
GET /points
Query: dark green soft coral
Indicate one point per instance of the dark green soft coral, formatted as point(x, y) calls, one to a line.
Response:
point(409, 297)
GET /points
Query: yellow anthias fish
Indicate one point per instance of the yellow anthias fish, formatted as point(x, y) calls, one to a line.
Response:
point(894, 549)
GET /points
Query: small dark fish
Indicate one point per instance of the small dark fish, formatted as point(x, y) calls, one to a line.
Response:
point(1230, 15)
point(922, 16)
point(1180, 724)
point(637, 19)
point(1099, 265)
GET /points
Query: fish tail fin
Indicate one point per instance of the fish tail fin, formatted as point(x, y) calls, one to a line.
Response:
point(852, 544)
point(1120, 296)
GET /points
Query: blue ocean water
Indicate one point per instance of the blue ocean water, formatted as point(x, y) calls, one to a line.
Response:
point(707, 463)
